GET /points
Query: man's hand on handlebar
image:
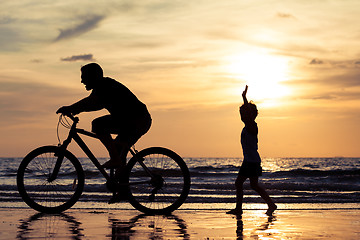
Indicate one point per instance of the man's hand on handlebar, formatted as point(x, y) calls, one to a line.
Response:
point(66, 110)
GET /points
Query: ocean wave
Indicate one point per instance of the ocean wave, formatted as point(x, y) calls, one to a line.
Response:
point(298, 180)
point(215, 168)
point(317, 173)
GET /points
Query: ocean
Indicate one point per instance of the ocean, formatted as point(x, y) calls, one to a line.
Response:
point(291, 182)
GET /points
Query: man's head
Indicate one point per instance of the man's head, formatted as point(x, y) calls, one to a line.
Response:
point(91, 74)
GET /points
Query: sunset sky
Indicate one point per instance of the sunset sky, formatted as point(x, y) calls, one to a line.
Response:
point(189, 62)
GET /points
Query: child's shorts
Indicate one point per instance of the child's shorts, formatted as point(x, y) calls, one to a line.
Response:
point(249, 169)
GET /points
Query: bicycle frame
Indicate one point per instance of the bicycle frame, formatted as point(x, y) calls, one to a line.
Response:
point(74, 134)
point(51, 179)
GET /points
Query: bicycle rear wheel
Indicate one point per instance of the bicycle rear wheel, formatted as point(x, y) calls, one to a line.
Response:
point(43, 194)
point(166, 190)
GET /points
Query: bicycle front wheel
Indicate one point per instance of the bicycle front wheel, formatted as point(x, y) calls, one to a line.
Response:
point(39, 190)
point(162, 185)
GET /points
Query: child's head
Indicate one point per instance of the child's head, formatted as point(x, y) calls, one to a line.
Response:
point(249, 113)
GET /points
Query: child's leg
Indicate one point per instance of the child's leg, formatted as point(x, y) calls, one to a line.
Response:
point(254, 183)
point(239, 191)
point(239, 196)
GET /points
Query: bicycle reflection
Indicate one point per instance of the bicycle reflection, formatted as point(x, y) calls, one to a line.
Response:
point(149, 227)
point(50, 226)
point(65, 226)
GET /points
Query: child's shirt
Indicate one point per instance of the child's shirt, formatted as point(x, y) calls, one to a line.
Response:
point(249, 143)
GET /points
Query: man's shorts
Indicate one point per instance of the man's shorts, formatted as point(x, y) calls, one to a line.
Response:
point(128, 131)
point(250, 169)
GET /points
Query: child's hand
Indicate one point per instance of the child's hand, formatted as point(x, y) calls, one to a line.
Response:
point(245, 91)
point(244, 95)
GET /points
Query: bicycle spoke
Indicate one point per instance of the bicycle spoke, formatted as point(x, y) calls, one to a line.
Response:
point(169, 186)
point(47, 195)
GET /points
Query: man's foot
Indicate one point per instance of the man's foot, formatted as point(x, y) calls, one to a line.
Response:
point(112, 164)
point(271, 210)
point(118, 197)
point(237, 212)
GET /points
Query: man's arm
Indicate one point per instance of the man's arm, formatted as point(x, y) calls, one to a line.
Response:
point(88, 104)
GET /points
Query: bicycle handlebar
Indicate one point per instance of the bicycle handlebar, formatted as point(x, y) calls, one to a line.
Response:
point(72, 117)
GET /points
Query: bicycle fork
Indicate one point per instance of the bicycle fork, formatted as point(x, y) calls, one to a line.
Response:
point(60, 157)
point(55, 172)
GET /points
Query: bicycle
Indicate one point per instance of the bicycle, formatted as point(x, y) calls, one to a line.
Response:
point(51, 179)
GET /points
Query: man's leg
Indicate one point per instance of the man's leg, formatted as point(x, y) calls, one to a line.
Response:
point(123, 149)
point(115, 152)
point(103, 126)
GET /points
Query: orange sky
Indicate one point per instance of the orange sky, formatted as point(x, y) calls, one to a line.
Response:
point(189, 62)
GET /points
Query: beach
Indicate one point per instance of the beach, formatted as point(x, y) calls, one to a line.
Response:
point(316, 198)
point(25, 223)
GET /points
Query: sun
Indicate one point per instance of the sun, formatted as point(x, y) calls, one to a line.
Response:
point(262, 72)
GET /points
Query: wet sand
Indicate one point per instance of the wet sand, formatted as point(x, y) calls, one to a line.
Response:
point(183, 224)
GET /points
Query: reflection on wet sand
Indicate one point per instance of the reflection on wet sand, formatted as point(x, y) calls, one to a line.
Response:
point(154, 226)
point(239, 227)
point(65, 226)
point(186, 224)
point(256, 233)
point(49, 226)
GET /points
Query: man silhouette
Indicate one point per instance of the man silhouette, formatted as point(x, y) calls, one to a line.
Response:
point(129, 117)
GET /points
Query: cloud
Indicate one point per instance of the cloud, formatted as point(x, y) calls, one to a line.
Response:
point(74, 58)
point(350, 79)
point(6, 20)
point(10, 39)
point(24, 101)
point(284, 15)
point(316, 61)
point(85, 26)
point(332, 95)
point(320, 97)
point(36, 60)
point(345, 80)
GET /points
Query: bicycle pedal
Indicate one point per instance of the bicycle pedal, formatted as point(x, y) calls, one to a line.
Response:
point(152, 197)
point(118, 198)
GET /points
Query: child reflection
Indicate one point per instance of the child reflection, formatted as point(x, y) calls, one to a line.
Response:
point(257, 232)
point(239, 227)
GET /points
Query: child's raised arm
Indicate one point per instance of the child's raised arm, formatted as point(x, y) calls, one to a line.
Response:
point(246, 114)
point(244, 95)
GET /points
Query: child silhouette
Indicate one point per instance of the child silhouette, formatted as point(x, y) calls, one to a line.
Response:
point(251, 165)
